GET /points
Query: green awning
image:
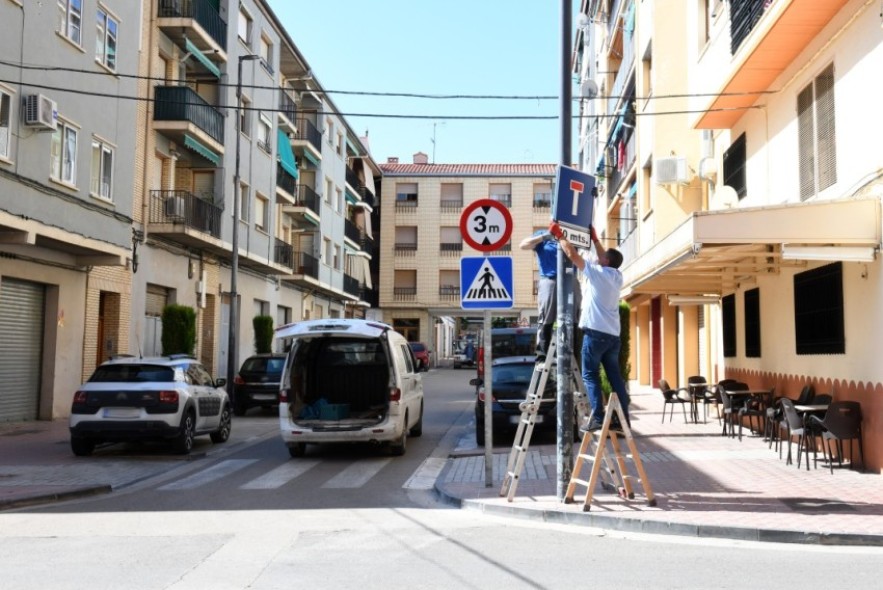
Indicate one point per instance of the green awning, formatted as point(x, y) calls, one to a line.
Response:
point(203, 151)
point(201, 58)
point(350, 197)
point(286, 155)
point(309, 156)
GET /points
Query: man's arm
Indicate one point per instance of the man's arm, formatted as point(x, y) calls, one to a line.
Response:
point(530, 242)
point(599, 249)
point(568, 248)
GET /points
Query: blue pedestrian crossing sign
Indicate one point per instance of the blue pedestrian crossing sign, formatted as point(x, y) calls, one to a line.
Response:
point(486, 283)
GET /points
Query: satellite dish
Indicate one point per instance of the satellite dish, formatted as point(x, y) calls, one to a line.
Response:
point(727, 196)
point(588, 88)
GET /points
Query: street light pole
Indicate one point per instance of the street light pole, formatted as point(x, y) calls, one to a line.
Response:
point(233, 326)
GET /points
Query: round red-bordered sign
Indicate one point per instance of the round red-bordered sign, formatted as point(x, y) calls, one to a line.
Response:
point(486, 225)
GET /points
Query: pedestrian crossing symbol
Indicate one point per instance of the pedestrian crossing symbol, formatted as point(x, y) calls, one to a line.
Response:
point(486, 283)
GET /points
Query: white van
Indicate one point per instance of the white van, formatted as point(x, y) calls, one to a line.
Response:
point(348, 380)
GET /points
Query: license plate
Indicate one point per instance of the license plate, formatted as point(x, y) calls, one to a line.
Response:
point(264, 396)
point(122, 413)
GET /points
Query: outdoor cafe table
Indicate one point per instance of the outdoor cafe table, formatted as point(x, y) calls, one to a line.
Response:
point(697, 394)
point(764, 395)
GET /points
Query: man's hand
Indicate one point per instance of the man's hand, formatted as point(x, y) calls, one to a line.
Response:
point(592, 233)
point(556, 230)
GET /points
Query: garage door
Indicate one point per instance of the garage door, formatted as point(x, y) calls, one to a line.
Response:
point(21, 348)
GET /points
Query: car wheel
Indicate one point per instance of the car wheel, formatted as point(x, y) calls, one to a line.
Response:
point(398, 448)
point(240, 408)
point(297, 450)
point(82, 447)
point(223, 432)
point(184, 440)
point(417, 429)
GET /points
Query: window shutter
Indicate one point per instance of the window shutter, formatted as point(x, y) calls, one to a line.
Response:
point(805, 143)
point(825, 132)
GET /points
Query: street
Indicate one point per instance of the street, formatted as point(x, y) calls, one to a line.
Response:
point(354, 516)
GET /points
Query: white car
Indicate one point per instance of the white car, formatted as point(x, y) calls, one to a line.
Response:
point(348, 380)
point(130, 398)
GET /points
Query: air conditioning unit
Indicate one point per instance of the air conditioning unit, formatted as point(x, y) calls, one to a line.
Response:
point(175, 208)
point(41, 112)
point(670, 170)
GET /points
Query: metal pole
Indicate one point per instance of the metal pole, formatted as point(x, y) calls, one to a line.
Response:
point(488, 402)
point(564, 284)
point(233, 326)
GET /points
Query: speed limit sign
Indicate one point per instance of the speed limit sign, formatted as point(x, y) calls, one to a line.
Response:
point(486, 225)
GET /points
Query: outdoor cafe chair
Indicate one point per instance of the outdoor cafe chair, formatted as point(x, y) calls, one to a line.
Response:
point(673, 397)
point(842, 421)
point(754, 408)
point(796, 427)
point(774, 417)
point(700, 394)
point(731, 405)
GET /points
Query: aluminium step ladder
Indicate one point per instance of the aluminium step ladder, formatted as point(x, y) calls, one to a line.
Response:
point(616, 468)
point(529, 409)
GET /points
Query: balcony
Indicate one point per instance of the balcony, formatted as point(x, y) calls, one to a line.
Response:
point(283, 253)
point(451, 205)
point(287, 112)
point(451, 248)
point(197, 21)
point(307, 136)
point(406, 249)
point(306, 207)
point(351, 286)
point(404, 293)
point(505, 199)
point(306, 265)
point(367, 197)
point(449, 293)
point(406, 205)
point(352, 179)
point(616, 175)
point(352, 233)
point(182, 115)
point(287, 184)
point(186, 219)
point(766, 37)
point(542, 202)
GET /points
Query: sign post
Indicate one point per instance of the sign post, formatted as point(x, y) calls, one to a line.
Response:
point(486, 283)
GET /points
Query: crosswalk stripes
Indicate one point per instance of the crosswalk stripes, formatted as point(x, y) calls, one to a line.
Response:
point(280, 476)
point(357, 474)
point(208, 475)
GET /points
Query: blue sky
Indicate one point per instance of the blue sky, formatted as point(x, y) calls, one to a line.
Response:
point(475, 47)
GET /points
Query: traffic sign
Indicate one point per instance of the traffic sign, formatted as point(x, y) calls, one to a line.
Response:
point(573, 204)
point(486, 282)
point(486, 225)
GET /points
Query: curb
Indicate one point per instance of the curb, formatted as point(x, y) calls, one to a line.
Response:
point(33, 499)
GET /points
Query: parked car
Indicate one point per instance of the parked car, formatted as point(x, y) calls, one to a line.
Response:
point(348, 380)
point(421, 353)
point(508, 342)
point(511, 381)
point(257, 383)
point(464, 354)
point(170, 398)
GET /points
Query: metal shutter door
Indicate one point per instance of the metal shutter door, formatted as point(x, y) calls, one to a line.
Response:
point(21, 349)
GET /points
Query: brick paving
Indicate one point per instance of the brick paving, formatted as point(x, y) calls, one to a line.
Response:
point(704, 485)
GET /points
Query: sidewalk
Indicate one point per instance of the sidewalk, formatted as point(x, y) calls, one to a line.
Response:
point(705, 485)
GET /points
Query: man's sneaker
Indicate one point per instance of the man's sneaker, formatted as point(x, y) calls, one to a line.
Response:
point(593, 425)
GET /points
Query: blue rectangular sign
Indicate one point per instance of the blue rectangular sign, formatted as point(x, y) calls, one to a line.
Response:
point(486, 282)
point(574, 199)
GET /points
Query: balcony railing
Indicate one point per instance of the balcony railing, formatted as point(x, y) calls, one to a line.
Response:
point(367, 196)
point(542, 201)
point(405, 248)
point(181, 103)
point(451, 205)
point(287, 106)
point(351, 231)
point(285, 181)
point(351, 285)
point(183, 207)
point(404, 293)
point(406, 205)
point(452, 247)
point(352, 178)
point(505, 199)
point(283, 253)
point(306, 131)
point(744, 16)
point(618, 173)
point(623, 75)
point(449, 292)
point(307, 197)
point(305, 264)
point(202, 11)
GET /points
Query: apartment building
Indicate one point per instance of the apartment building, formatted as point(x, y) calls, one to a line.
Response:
point(66, 174)
point(732, 141)
point(141, 144)
point(421, 244)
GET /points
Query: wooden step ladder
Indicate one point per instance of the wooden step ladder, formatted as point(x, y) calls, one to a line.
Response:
point(616, 469)
point(529, 409)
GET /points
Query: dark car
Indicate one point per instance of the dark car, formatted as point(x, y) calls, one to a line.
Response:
point(508, 342)
point(512, 377)
point(257, 383)
point(421, 353)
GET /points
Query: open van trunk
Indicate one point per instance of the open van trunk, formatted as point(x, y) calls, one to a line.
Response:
point(338, 383)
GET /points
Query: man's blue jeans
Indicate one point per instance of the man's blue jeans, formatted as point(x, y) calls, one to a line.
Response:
point(600, 349)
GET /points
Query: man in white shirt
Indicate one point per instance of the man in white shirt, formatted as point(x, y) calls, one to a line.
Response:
point(599, 320)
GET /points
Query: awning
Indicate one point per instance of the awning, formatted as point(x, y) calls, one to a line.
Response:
point(311, 158)
point(362, 260)
point(713, 252)
point(369, 177)
point(286, 155)
point(202, 150)
point(367, 220)
point(201, 58)
point(350, 197)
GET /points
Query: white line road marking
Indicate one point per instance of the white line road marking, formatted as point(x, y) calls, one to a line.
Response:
point(213, 473)
point(280, 476)
point(425, 476)
point(357, 474)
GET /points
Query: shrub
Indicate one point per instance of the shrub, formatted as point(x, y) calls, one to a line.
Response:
point(263, 333)
point(178, 330)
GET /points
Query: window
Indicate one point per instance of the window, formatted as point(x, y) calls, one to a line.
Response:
point(266, 52)
point(818, 310)
point(451, 241)
point(449, 284)
point(106, 39)
point(338, 200)
point(501, 193)
point(329, 127)
point(752, 323)
point(816, 135)
point(63, 158)
point(406, 239)
point(261, 212)
point(244, 29)
point(328, 251)
point(542, 196)
point(243, 202)
point(734, 166)
point(5, 127)
point(404, 287)
point(264, 134)
point(336, 260)
point(245, 118)
point(340, 143)
point(452, 196)
point(406, 194)
point(70, 19)
point(728, 323)
point(101, 184)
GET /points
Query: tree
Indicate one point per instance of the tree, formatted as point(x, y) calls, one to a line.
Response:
point(263, 333)
point(178, 330)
